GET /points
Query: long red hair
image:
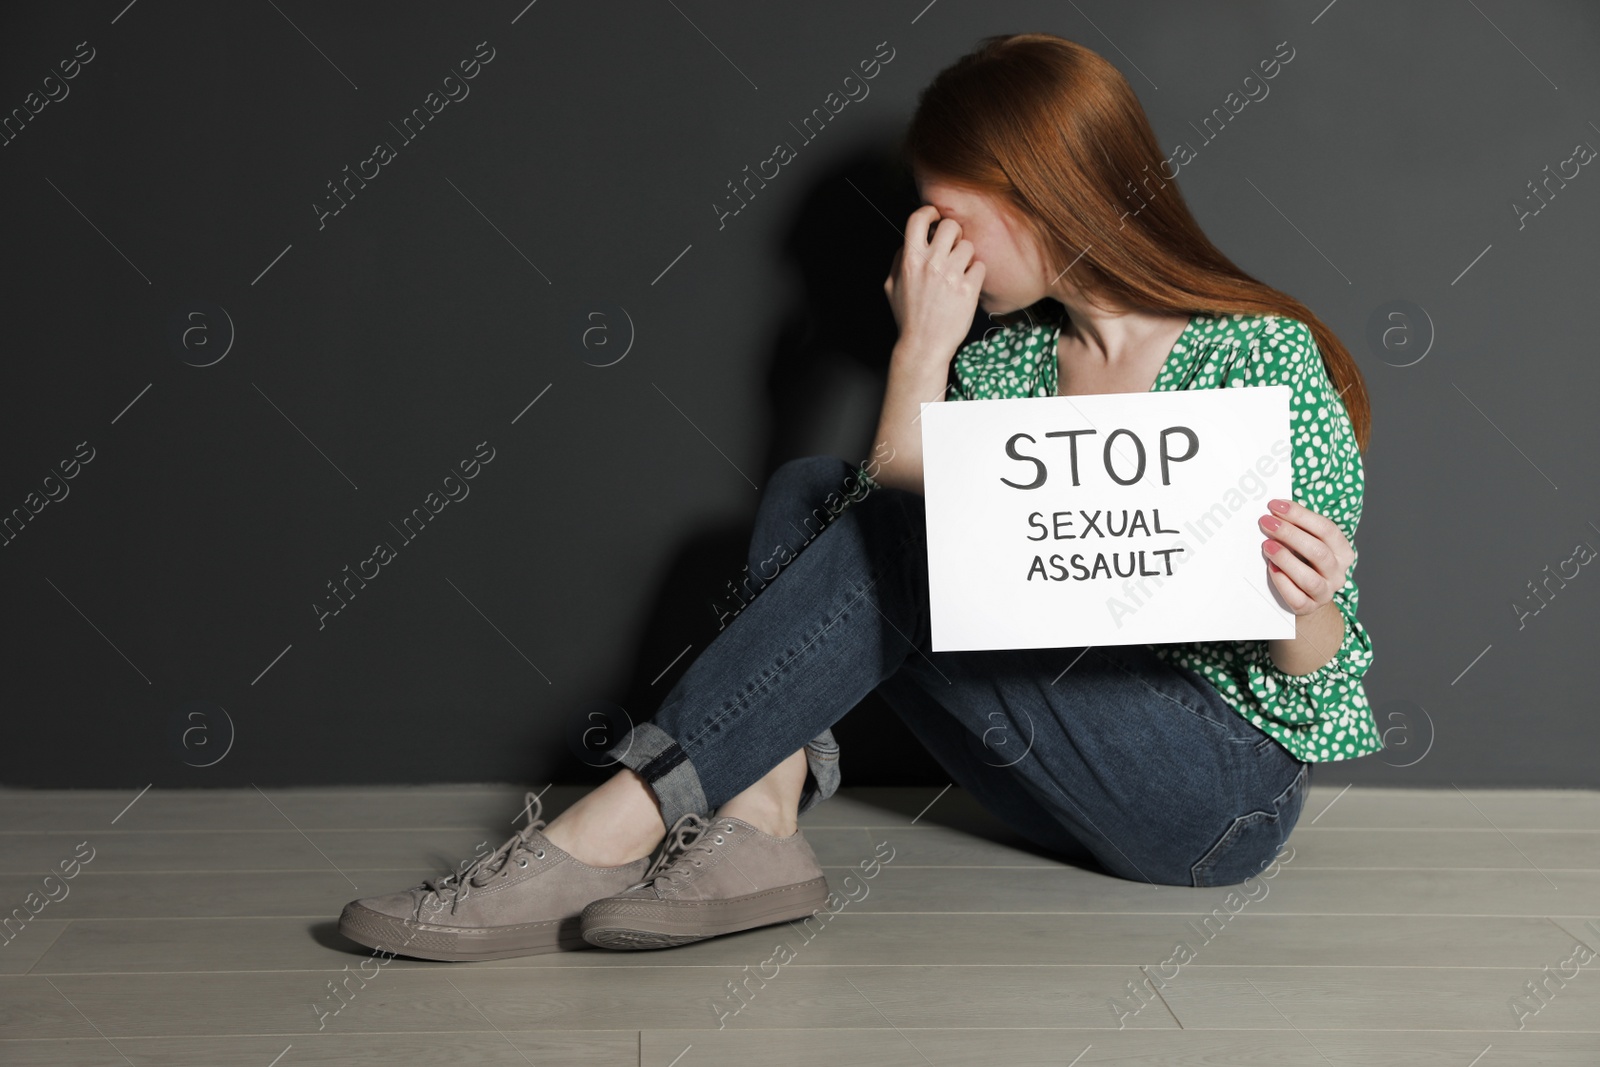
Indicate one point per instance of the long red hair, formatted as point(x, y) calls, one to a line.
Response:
point(1052, 131)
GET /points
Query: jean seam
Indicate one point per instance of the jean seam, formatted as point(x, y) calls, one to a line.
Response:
point(1206, 864)
point(768, 676)
point(1295, 784)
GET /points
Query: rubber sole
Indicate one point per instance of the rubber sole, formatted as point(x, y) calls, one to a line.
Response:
point(637, 923)
point(427, 941)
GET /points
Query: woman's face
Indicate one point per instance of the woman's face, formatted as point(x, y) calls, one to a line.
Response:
point(1014, 273)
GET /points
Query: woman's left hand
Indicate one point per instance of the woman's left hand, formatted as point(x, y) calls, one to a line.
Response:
point(1308, 555)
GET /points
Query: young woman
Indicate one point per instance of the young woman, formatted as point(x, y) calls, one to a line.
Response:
point(1053, 209)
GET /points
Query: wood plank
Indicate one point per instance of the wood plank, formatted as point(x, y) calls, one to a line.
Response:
point(1505, 809)
point(1494, 892)
point(29, 944)
point(925, 845)
point(1453, 849)
point(77, 811)
point(418, 852)
point(579, 1048)
point(354, 807)
point(1258, 936)
point(34, 1011)
point(495, 805)
point(491, 805)
point(958, 890)
point(1050, 1047)
point(1030, 1047)
point(154, 946)
point(1311, 1000)
point(1310, 892)
point(634, 997)
point(891, 806)
point(313, 894)
point(157, 946)
point(1359, 806)
point(490, 809)
point(282, 1003)
point(817, 997)
point(1251, 937)
point(283, 850)
point(1378, 999)
point(1559, 849)
point(931, 845)
point(429, 851)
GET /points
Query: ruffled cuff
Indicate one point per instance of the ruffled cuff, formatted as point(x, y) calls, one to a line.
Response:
point(864, 478)
point(1315, 695)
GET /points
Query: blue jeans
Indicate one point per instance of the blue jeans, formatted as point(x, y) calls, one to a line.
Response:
point(1103, 753)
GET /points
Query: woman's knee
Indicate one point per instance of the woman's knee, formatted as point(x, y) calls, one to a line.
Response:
point(794, 509)
point(809, 477)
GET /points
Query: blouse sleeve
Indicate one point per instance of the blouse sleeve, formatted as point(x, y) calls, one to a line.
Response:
point(1327, 479)
point(866, 479)
point(1322, 695)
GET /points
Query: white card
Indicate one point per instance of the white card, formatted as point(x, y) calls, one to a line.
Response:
point(1150, 537)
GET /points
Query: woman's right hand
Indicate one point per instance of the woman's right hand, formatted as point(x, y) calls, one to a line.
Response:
point(933, 286)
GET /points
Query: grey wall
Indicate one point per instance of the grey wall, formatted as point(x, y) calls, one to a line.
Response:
point(162, 214)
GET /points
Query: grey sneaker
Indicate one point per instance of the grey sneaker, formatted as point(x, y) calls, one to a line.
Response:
point(522, 899)
point(711, 877)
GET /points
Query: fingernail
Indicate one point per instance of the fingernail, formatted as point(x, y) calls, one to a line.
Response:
point(1280, 506)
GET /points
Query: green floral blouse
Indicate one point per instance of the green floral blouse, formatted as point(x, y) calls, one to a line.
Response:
point(1319, 716)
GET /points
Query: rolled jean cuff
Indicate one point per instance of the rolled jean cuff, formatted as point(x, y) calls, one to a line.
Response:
point(662, 762)
point(822, 761)
point(658, 758)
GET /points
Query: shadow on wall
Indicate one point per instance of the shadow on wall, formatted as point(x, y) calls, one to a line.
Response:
point(827, 368)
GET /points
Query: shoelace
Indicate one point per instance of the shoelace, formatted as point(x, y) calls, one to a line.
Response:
point(457, 886)
point(687, 836)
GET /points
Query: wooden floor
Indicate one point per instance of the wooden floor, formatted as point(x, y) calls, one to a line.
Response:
point(202, 932)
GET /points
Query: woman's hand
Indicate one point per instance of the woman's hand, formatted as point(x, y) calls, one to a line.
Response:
point(933, 285)
point(1308, 556)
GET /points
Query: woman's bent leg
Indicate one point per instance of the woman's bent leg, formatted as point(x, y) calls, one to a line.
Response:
point(1141, 761)
point(799, 501)
point(620, 820)
point(980, 764)
point(834, 622)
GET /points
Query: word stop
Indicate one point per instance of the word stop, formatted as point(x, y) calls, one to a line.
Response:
point(1041, 472)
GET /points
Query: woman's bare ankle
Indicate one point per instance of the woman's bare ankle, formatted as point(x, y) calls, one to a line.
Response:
point(772, 804)
point(613, 825)
point(769, 818)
